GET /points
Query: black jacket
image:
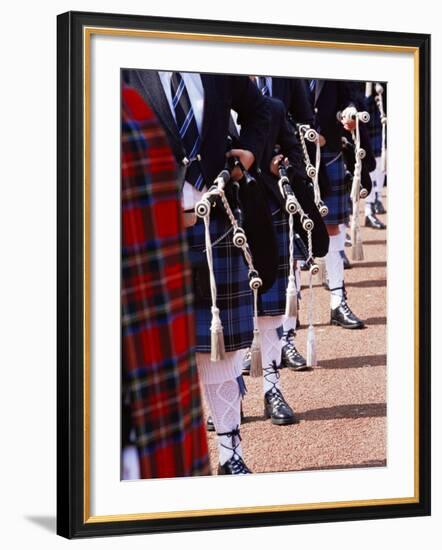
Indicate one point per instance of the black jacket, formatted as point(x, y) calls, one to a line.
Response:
point(281, 133)
point(293, 92)
point(330, 99)
point(221, 94)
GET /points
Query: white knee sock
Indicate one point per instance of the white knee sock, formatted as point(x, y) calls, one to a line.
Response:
point(271, 347)
point(288, 324)
point(370, 199)
point(224, 402)
point(335, 269)
point(223, 396)
point(380, 177)
point(377, 178)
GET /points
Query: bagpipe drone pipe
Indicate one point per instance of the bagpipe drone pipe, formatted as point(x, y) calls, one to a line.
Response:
point(305, 223)
point(307, 139)
point(368, 162)
point(302, 190)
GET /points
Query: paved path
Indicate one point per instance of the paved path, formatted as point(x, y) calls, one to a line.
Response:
point(341, 404)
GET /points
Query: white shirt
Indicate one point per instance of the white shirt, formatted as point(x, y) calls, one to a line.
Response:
point(194, 86)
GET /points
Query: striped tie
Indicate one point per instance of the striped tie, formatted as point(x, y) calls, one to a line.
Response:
point(312, 86)
point(187, 128)
point(262, 85)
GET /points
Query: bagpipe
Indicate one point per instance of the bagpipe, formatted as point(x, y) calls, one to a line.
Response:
point(349, 154)
point(355, 194)
point(308, 134)
point(293, 208)
point(380, 104)
point(232, 196)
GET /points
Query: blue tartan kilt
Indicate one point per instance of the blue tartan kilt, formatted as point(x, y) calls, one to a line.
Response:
point(337, 200)
point(234, 297)
point(273, 301)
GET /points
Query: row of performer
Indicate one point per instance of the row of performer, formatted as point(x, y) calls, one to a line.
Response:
point(231, 185)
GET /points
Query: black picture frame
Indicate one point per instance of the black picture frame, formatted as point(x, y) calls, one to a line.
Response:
point(71, 519)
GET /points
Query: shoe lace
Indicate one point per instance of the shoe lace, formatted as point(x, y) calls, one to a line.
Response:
point(290, 348)
point(272, 371)
point(236, 462)
point(344, 293)
point(289, 337)
point(238, 467)
point(277, 398)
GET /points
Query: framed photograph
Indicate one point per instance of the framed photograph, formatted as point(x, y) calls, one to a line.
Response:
point(216, 180)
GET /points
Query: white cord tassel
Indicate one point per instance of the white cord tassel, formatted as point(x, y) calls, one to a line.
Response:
point(217, 348)
point(368, 89)
point(291, 303)
point(255, 348)
point(356, 238)
point(380, 103)
point(305, 132)
point(311, 339)
point(384, 150)
point(318, 199)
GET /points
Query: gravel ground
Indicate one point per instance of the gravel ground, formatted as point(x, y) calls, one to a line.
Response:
point(341, 403)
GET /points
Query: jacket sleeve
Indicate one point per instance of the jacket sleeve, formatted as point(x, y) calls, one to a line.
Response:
point(291, 148)
point(253, 115)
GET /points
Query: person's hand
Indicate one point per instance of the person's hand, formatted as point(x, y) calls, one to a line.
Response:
point(347, 119)
point(247, 158)
point(322, 140)
point(349, 124)
point(274, 164)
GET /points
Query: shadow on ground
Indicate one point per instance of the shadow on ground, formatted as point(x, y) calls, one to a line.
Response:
point(368, 410)
point(365, 464)
point(356, 362)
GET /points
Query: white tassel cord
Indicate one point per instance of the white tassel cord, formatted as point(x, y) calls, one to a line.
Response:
point(255, 348)
point(216, 328)
point(356, 238)
point(291, 304)
point(305, 132)
point(380, 103)
point(368, 89)
point(311, 340)
point(318, 200)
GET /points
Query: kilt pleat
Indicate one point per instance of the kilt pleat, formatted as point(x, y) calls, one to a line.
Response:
point(337, 200)
point(273, 301)
point(374, 127)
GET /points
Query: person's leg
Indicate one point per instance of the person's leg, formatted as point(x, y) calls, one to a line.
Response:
point(335, 266)
point(371, 220)
point(346, 261)
point(275, 405)
point(222, 389)
point(378, 206)
point(341, 314)
point(290, 356)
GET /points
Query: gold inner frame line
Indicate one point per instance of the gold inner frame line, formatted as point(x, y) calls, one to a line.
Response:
point(87, 33)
